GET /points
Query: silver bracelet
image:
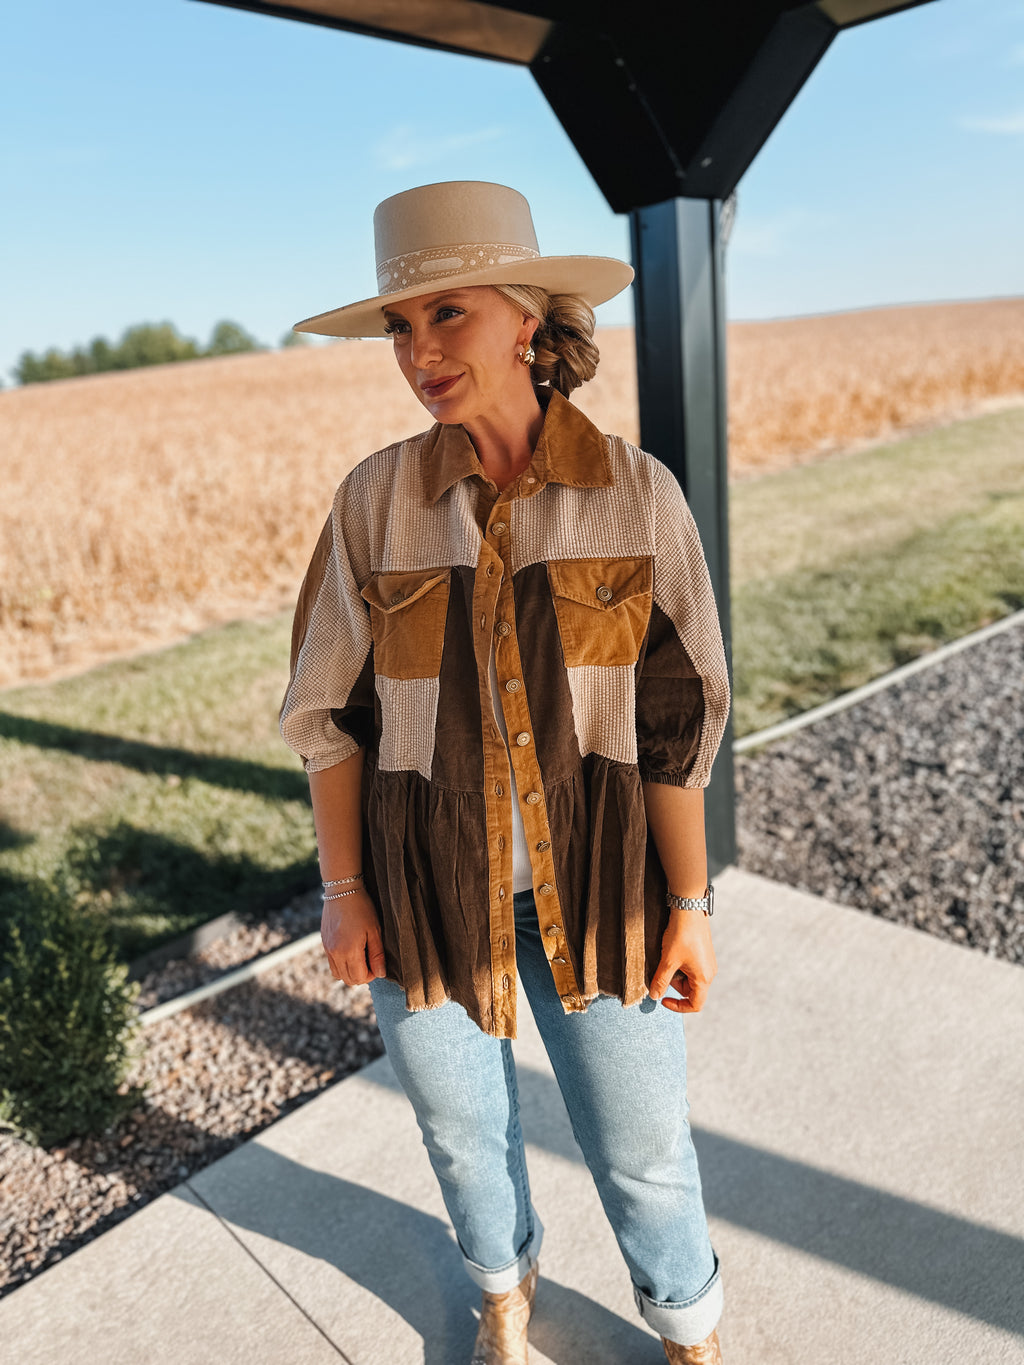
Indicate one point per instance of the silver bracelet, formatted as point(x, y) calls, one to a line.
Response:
point(344, 881)
point(340, 895)
point(705, 902)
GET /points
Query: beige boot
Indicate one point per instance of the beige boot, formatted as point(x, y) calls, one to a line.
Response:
point(706, 1352)
point(501, 1337)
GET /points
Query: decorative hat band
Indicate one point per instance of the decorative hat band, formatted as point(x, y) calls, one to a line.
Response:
point(462, 234)
point(435, 263)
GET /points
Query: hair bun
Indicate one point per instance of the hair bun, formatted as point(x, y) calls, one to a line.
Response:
point(567, 355)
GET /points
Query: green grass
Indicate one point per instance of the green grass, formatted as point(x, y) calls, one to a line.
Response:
point(842, 570)
point(159, 788)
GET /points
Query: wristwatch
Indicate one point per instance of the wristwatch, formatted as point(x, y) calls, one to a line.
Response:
point(705, 902)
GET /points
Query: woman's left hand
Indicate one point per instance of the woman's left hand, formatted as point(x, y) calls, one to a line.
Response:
point(687, 962)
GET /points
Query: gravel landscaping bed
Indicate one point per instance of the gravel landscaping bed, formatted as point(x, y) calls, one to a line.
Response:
point(909, 805)
point(215, 1074)
point(243, 943)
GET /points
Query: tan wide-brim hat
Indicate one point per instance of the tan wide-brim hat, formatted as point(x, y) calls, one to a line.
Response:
point(459, 233)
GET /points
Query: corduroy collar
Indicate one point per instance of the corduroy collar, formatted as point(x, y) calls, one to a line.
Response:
point(571, 451)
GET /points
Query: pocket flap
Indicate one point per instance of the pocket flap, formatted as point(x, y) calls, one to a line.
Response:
point(391, 592)
point(601, 583)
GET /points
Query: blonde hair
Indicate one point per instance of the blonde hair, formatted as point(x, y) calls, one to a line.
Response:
point(564, 342)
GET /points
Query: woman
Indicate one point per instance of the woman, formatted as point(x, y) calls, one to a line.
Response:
point(508, 686)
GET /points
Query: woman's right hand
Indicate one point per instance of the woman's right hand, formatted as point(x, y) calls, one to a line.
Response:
point(350, 931)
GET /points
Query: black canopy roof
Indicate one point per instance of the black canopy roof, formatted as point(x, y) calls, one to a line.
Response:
point(662, 98)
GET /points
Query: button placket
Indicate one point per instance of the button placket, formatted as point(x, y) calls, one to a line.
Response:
point(522, 753)
point(498, 629)
point(488, 585)
point(516, 709)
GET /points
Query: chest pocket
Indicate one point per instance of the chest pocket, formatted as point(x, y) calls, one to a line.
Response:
point(603, 607)
point(407, 617)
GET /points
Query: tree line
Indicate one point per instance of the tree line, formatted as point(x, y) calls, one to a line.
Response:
point(147, 343)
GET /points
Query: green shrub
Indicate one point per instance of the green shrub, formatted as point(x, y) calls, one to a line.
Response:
point(67, 1021)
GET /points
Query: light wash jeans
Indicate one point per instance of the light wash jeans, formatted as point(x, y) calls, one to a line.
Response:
point(622, 1074)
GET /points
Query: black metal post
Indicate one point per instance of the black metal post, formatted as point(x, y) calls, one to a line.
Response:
point(680, 344)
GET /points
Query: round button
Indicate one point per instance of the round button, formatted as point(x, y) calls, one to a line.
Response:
point(503, 628)
point(545, 888)
point(552, 929)
point(513, 685)
point(499, 790)
point(499, 528)
point(604, 593)
point(533, 798)
point(531, 479)
point(559, 959)
point(543, 846)
point(522, 739)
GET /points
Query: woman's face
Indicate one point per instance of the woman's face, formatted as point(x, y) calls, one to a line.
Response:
point(459, 351)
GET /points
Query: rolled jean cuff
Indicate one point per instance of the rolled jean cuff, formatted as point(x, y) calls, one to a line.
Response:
point(507, 1277)
point(689, 1322)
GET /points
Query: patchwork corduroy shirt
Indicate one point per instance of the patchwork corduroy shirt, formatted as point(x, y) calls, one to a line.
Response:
point(586, 578)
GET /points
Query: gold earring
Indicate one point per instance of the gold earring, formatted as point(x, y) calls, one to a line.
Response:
point(527, 356)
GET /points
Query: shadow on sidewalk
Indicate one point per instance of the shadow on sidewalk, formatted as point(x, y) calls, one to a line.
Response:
point(937, 1256)
point(407, 1259)
point(973, 1269)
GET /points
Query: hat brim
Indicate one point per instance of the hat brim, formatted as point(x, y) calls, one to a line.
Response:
point(594, 278)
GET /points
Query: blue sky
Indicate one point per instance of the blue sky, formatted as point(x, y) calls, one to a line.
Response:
point(171, 159)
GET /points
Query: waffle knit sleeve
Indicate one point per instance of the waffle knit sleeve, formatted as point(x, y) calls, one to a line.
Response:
point(328, 709)
point(682, 677)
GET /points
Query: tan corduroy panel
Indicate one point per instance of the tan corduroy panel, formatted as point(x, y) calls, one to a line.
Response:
point(408, 612)
point(530, 792)
point(604, 710)
point(682, 588)
point(408, 723)
point(603, 608)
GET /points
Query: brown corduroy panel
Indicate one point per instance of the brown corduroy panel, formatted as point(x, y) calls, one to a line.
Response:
point(308, 591)
point(458, 764)
point(669, 705)
point(361, 717)
point(428, 854)
point(544, 676)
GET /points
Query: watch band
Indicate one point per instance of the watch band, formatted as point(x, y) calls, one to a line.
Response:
point(705, 902)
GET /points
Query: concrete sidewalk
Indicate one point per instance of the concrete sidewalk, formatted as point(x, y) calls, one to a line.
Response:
point(858, 1107)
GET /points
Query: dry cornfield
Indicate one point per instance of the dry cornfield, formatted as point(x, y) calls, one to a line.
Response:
point(138, 507)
